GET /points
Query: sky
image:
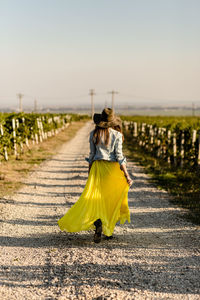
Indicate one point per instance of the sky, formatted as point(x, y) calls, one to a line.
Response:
point(55, 51)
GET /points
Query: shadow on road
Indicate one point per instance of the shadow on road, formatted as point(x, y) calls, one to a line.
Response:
point(156, 230)
point(143, 276)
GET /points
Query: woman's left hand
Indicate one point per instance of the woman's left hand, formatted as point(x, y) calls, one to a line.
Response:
point(129, 180)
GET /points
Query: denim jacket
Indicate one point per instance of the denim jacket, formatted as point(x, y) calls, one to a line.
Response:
point(111, 152)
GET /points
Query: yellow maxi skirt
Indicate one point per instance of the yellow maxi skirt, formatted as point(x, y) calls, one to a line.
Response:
point(104, 197)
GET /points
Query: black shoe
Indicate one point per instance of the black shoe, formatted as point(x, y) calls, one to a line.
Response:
point(98, 231)
point(108, 237)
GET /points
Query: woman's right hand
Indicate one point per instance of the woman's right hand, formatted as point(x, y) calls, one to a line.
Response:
point(129, 180)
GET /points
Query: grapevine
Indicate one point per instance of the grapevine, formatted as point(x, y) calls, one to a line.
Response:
point(174, 139)
point(17, 131)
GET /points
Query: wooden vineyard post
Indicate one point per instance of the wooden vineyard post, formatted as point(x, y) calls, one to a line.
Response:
point(154, 139)
point(4, 148)
point(68, 119)
point(140, 134)
point(164, 148)
point(26, 139)
point(1, 129)
point(39, 129)
point(147, 134)
point(194, 137)
point(59, 128)
point(42, 129)
point(45, 132)
point(159, 142)
point(125, 126)
point(148, 141)
point(48, 132)
point(151, 132)
point(182, 148)
point(198, 158)
point(1, 132)
point(63, 124)
point(5, 153)
point(168, 146)
point(143, 134)
point(174, 148)
point(52, 130)
point(14, 139)
point(135, 129)
point(32, 136)
point(36, 136)
point(21, 144)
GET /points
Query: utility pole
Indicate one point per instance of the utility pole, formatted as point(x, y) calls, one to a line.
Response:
point(92, 93)
point(20, 96)
point(113, 94)
point(35, 105)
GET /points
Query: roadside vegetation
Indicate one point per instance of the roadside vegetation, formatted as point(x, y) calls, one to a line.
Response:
point(183, 182)
point(13, 171)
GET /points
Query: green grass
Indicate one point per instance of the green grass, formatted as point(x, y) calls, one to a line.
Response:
point(170, 122)
point(182, 183)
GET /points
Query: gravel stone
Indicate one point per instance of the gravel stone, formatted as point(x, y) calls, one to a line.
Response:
point(156, 256)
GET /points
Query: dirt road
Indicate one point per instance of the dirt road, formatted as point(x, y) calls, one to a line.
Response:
point(155, 257)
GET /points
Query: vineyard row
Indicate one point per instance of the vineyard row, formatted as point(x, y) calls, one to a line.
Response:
point(19, 131)
point(177, 147)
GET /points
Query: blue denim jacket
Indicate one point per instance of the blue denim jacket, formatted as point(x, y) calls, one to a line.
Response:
point(111, 152)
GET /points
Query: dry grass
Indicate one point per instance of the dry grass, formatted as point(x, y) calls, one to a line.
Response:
point(13, 172)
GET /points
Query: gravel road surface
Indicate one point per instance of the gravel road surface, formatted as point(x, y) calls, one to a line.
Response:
point(157, 256)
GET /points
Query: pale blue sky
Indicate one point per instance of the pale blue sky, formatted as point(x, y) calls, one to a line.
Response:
point(58, 50)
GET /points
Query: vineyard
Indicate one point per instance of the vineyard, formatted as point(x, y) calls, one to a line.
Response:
point(173, 139)
point(19, 131)
point(169, 149)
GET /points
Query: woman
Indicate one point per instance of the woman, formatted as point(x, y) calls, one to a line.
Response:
point(104, 200)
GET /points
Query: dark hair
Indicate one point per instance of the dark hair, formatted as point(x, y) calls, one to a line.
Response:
point(101, 134)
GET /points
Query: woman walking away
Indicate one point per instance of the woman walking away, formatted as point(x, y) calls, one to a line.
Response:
point(104, 200)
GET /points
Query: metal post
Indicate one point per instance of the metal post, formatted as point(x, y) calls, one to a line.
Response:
point(113, 94)
point(20, 96)
point(92, 93)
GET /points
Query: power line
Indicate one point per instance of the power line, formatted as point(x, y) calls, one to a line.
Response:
point(146, 98)
point(135, 97)
point(64, 97)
